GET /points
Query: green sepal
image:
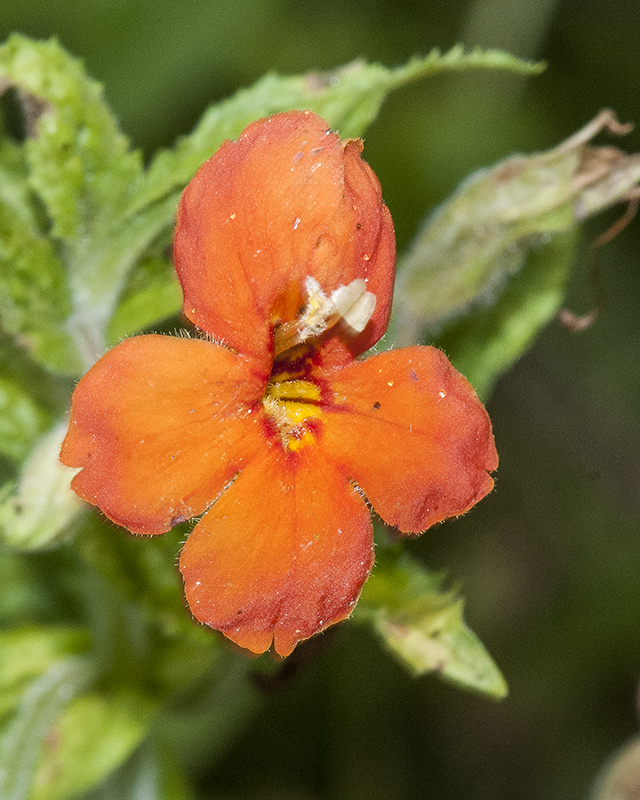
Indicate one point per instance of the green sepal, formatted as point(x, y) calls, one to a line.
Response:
point(423, 625)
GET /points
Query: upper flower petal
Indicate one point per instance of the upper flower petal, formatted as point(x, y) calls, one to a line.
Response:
point(159, 426)
point(410, 430)
point(286, 201)
point(281, 555)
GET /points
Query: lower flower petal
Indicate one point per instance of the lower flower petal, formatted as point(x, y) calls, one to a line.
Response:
point(410, 430)
point(282, 554)
point(159, 426)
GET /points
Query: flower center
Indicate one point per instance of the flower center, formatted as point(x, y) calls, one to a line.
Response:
point(352, 304)
point(292, 404)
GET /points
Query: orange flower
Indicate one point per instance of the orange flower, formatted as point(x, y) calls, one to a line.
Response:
point(286, 253)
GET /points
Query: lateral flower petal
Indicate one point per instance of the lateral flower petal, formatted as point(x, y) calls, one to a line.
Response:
point(410, 430)
point(282, 554)
point(159, 426)
point(284, 202)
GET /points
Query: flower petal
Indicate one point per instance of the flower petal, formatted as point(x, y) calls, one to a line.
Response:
point(281, 555)
point(159, 426)
point(410, 430)
point(286, 201)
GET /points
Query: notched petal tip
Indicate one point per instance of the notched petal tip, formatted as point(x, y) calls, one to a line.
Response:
point(284, 569)
point(410, 430)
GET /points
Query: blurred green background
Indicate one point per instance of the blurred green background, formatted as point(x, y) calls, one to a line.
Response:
point(550, 562)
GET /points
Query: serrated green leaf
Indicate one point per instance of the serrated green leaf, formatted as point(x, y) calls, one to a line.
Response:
point(475, 244)
point(423, 625)
point(81, 168)
point(40, 510)
point(79, 162)
point(27, 652)
point(93, 736)
point(34, 296)
point(349, 98)
point(104, 213)
point(23, 737)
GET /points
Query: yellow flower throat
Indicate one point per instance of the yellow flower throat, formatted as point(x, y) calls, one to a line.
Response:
point(290, 402)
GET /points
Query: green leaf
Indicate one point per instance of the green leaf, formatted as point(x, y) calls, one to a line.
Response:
point(476, 243)
point(82, 171)
point(40, 510)
point(104, 213)
point(93, 736)
point(21, 421)
point(26, 653)
point(23, 737)
point(34, 296)
point(490, 339)
point(423, 625)
point(153, 295)
point(148, 775)
point(48, 390)
point(349, 98)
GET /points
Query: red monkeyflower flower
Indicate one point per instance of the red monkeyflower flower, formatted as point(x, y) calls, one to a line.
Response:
point(269, 426)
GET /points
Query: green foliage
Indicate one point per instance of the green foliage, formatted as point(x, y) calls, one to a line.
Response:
point(41, 509)
point(29, 652)
point(493, 336)
point(423, 626)
point(349, 98)
point(34, 296)
point(21, 421)
point(147, 774)
point(41, 705)
point(490, 267)
point(98, 656)
point(114, 724)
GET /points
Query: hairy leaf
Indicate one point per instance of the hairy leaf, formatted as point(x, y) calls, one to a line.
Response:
point(522, 211)
point(349, 98)
point(423, 625)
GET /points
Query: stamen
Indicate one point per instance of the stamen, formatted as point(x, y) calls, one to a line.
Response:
point(352, 304)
